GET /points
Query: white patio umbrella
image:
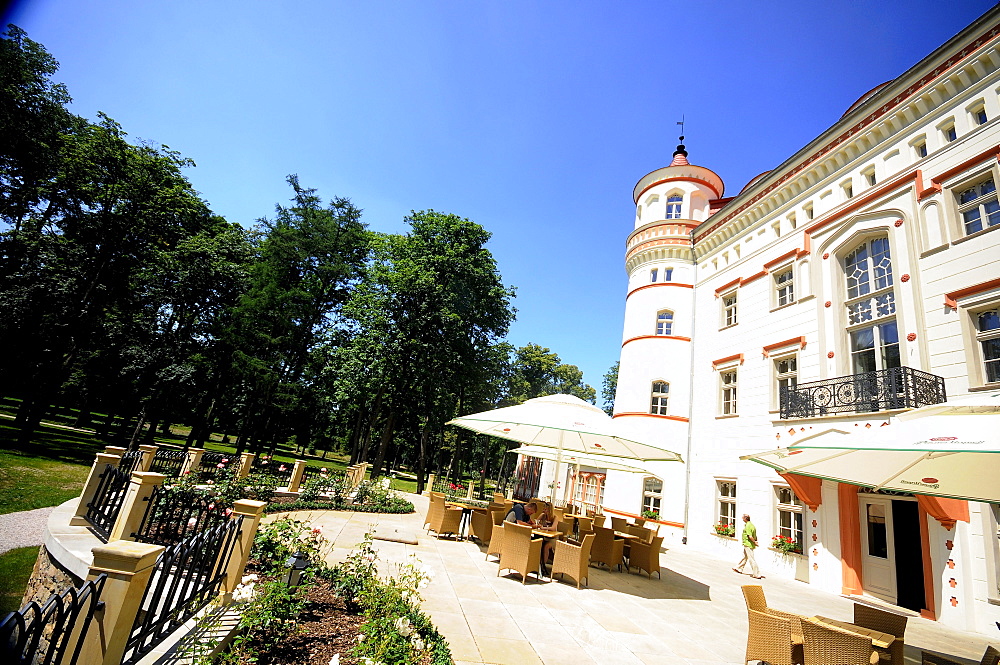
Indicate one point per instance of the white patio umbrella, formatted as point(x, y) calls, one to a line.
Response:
point(941, 455)
point(566, 424)
point(598, 461)
point(970, 404)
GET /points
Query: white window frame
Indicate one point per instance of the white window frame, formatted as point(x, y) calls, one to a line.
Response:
point(809, 210)
point(728, 393)
point(795, 512)
point(977, 113)
point(653, 274)
point(784, 291)
point(949, 132)
point(664, 324)
point(651, 498)
point(672, 210)
point(668, 274)
point(919, 144)
point(729, 302)
point(978, 376)
point(980, 203)
point(869, 175)
point(725, 502)
point(659, 399)
point(788, 362)
point(848, 188)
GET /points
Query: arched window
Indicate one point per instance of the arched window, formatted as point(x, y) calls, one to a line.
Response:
point(652, 492)
point(674, 206)
point(664, 322)
point(871, 307)
point(660, 398)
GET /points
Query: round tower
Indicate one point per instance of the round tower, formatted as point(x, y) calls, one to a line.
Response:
point(654, 377)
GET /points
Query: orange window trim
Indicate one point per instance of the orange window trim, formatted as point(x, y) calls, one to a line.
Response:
point(649, 286)
point(632, 339)
point(649, 415)
point(950, 299)
point(801, 341)
point(720, 361)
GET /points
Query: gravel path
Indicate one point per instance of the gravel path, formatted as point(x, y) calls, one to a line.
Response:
point(23, 529)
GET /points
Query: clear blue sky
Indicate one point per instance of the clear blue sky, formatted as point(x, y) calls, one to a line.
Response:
point(534, 119)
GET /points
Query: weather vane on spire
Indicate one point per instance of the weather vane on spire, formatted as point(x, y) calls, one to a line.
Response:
point(681, 123)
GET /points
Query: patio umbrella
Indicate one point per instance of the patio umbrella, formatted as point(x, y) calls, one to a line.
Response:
point(971, 404)
point(566, 424)
point(939, 455)
point(599, 461)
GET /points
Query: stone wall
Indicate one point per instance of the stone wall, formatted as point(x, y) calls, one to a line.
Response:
point(47, 578)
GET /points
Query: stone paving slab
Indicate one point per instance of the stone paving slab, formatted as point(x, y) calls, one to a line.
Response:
point(694, 615)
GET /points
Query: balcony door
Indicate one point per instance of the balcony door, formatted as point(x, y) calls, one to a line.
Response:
point(874, 356)
point(878, 555)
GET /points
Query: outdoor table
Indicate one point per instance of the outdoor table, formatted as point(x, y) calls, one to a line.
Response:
point(626, 536)
point(879, 639)
point(545, 533)
point(576, 521)
point(467, 509)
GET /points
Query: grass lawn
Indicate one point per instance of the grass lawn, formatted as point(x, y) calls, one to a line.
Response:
point(15, 569)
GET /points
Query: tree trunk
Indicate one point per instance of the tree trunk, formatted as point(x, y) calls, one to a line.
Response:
point(383, 445)
point(422, 458)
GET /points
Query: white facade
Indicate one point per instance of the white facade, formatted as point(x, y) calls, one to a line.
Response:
point(860, 253)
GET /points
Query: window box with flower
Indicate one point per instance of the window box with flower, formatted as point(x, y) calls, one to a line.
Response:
point(725, 530)
point(786, 545)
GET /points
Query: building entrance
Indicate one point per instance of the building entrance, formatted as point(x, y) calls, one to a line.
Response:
point(891, 555)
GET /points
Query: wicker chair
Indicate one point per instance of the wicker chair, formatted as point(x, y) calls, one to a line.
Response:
point(520, 553)
point(498, 497)
point(565, 527)
point(991, 657)
point(496, 534)
point(886, 622)
point(646, 556)
point(584, 525)
point(645, 534)
point(444, 520)
point(619, 524)
point(573, 559)
point(607, 549)
point(822, 645)
point(599, 520)
point(754, 596)
point(769, 639)
point(481, 526)
point(558, 515)
point(638, 521)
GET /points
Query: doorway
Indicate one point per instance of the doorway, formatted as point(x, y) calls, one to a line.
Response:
point(891, 555)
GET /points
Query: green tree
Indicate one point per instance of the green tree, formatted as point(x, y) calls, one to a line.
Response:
point(609, 387)
point(537, 371)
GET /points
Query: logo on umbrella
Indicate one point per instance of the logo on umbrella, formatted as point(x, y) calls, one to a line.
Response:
point(944, 438)
point(928, 480)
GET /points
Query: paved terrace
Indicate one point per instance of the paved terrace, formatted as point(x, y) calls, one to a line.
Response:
point(696, 614)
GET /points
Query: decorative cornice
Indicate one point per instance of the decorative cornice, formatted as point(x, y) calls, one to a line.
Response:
point(676, 337)
point(728, 359)
point(801, 341)
point(950, 299)
point(648, 286)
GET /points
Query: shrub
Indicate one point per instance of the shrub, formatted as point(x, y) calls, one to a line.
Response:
point(276, 541)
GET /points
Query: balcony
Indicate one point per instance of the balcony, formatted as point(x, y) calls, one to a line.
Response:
point(869, 392)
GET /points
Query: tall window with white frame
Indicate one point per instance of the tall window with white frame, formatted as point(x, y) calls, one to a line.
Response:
point(727, 396)
point(660, 399)
point(790, 519)
point(978, 206)
point(988, 337)
point(729, 309)
point(652, 493)
point(653, 274)
point(674, 206)
point(785, 379)
point(871, 307)
point(668, 274)
point(725, 499)
point(784, 286)
point(664, 322)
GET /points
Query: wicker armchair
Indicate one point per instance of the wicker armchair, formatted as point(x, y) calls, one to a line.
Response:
point(990, 657)
point(496, 534)
point(638, 521)
point(754, 596)
point(822, 645)
point(769, 639)
point(607, 549)
point(573, 559)
point(645, 534)
point(444, 520)
point(565, 527)
point(599, 520)
point(520, 553)
point(886, 622)
point(646, 556)
point(481, 526)
point(619, 524)
point(498, 497)
point(584, 525)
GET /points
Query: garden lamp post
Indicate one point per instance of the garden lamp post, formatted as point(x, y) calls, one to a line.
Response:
point(297, 565)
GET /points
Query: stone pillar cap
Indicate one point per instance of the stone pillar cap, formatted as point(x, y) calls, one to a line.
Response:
point(124, 556)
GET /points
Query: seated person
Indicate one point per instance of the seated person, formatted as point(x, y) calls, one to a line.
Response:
point(523, 514)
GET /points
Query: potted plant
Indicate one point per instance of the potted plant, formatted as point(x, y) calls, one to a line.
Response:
point(727, 530)
point(786, 545)
point(651, 514)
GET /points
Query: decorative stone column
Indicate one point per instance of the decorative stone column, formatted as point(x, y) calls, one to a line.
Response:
point(115, 450)
point(250, 512)
point(193, 461)
point(296, 480)
point(128, 566)
point(90, 487)
point(134, 507)
point(246, 463)
point(148, 453)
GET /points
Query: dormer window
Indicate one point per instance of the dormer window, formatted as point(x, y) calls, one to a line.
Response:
point(674, 206)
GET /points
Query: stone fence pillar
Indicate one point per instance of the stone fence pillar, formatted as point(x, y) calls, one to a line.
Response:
point(128, 566)
point(90, 487)
point(148, 453)
point(134, 507)
point(193, 461)
point(296, 480)
point(115, 450)
point(250, 512)
point(246, 463)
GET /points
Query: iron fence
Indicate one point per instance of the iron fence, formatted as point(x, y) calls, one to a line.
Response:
point(168, 462)
point(47, 634)
point(173, 515)
point(868, 392)
point(185, 578)
point(280, 470)
point(130, 461)
point(103, 509)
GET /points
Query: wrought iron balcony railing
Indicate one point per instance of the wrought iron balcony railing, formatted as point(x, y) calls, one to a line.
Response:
point(869, 392)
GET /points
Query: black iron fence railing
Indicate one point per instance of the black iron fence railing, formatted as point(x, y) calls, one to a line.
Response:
point(173, 515)
point(315, 473)
point(168, 462)
point(280, 470)
point(130, 461)
point(103, 509)
point(48, 633)
point(869, 392)
point(211, 464)
point(185, 578)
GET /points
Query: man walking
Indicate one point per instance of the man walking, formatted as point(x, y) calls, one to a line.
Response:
point(749, 545)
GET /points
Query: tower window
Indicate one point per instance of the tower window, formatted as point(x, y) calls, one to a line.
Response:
point(979, 115)
point(948, 132)
point(784, 287)
point(674, 207)
point(978, 206)
point(808, 210)
point(848, 188)
point(660, 398)
point(668, 274)
point(727, 396)
point(653, 274)
point(869, 176)
point(664, 322)
point(729, 309)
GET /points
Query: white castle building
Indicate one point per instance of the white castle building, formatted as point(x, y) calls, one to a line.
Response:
point(871, 257)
